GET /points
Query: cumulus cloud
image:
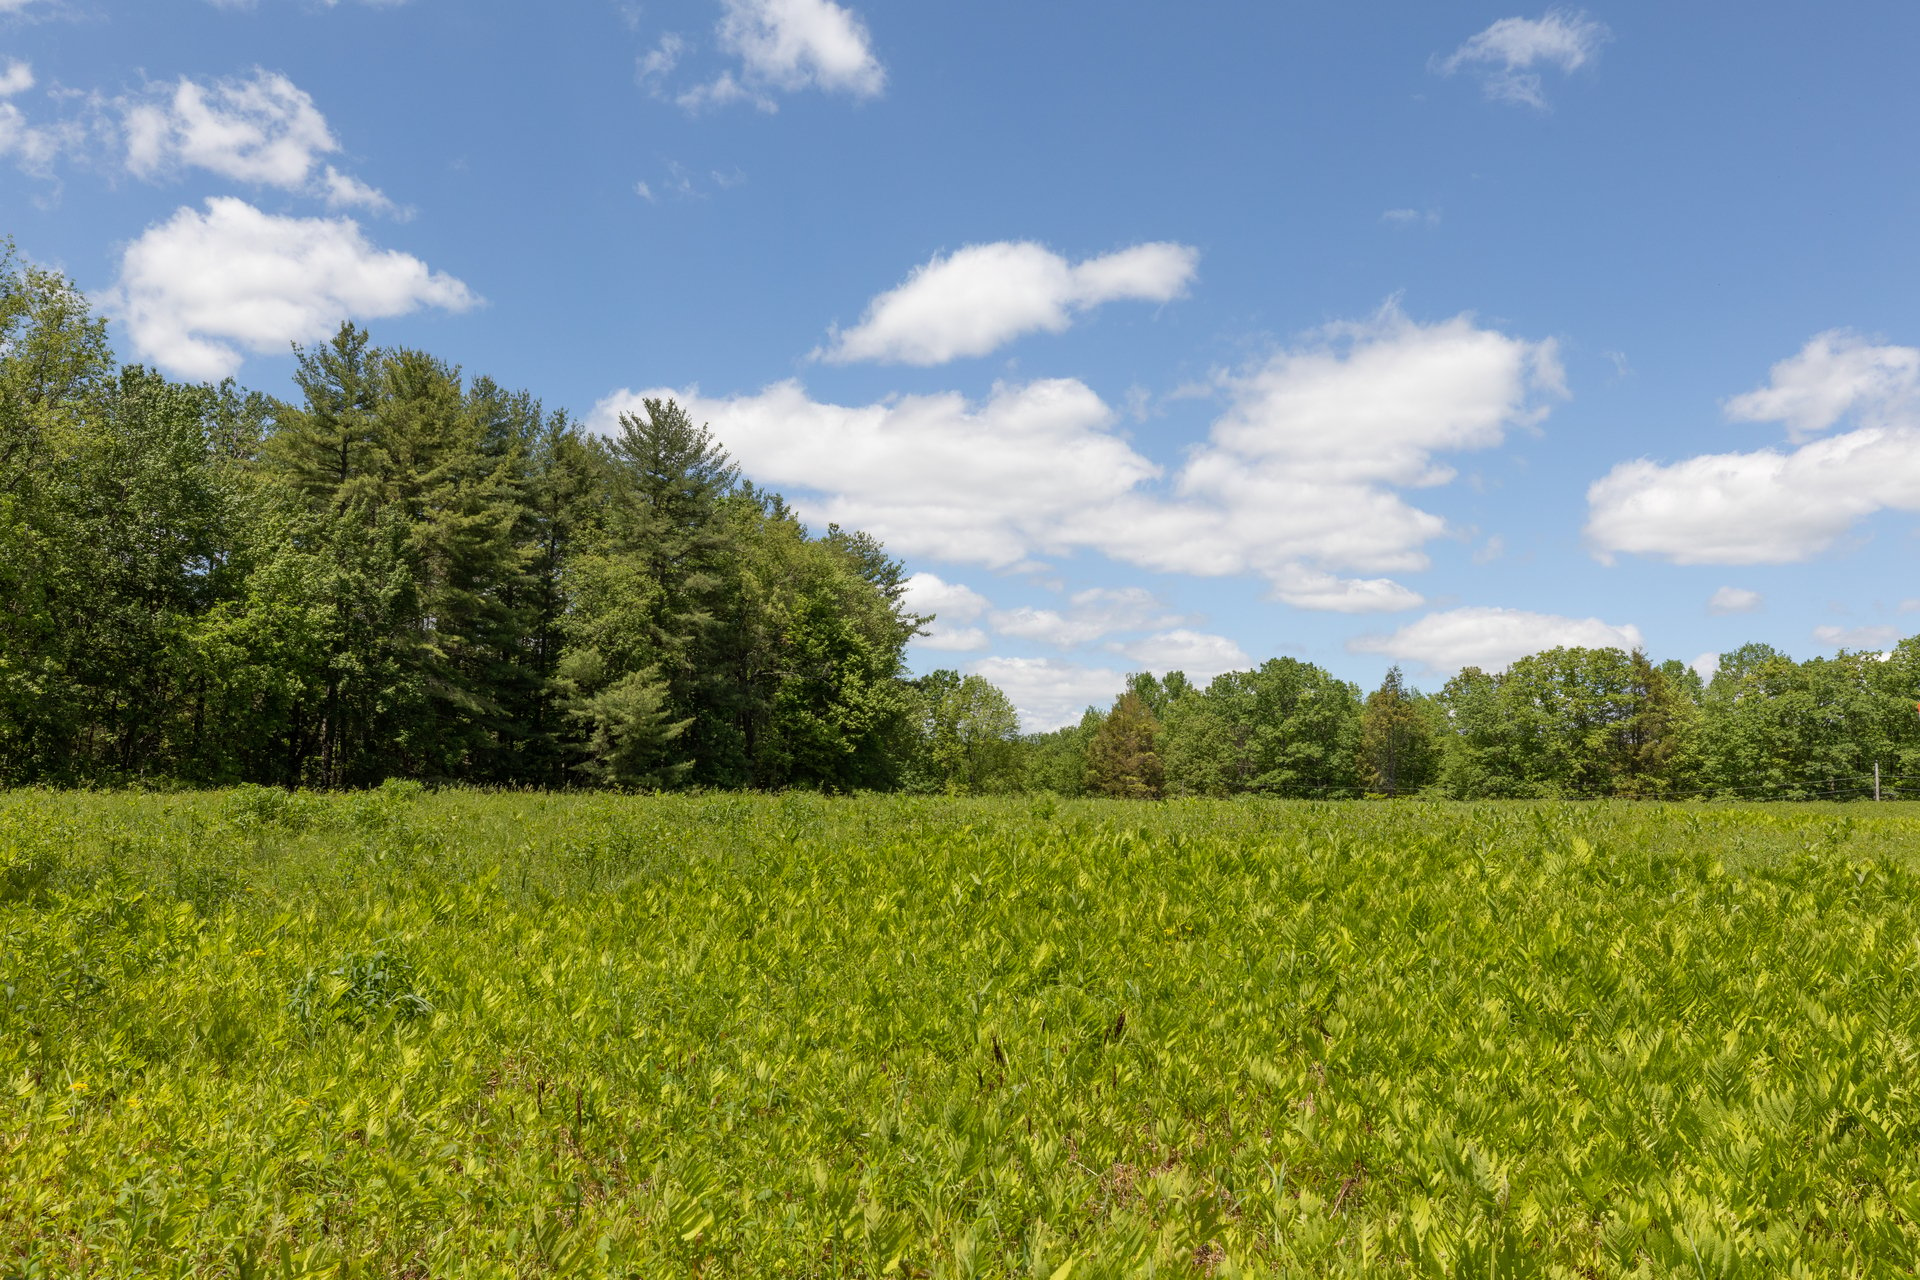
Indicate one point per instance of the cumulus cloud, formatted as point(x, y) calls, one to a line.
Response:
point(1836, 375)
point(979, 298)
point(1199, 655)
point(953, 606)
point(1734, 600)
point(1492, 639)
point(782, 46)
point(935, 475)
point(1300, 482)
point(1779, 506)
point(1506, 54)
point(263, 130)
point(199, 289)
point(1302, 474)
point(1050, 694)
point(1877, 637)
point(1706, 665)
point(16, 78)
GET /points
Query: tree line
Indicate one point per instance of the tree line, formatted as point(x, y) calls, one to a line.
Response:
point(1566, 723)
point(403, 571)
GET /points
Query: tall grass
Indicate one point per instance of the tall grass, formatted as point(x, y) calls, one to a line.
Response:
point(400, 1034)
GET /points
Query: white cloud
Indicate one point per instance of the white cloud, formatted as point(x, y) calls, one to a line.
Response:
point(1857, 637)
point(657, 63)
point(1299, 483)
point(1199, 655)
point(981, 297)
point(1734, 600)
point(1093, 614)
point(934, 475)
point(1836, 374)
point(16, 79)
point(1772, 506)
point(330, 4)
point(1706, 665)
point(34, 147)
point(800, 44)
point(783, 46)
point(1050, 694)
point(948, 638)
point(1765, 507)
point(1491, 639)
point(264, 130)
point(1301, 476)
point(344, 191)
point(1313, 589)
point(1506, 53)
point(1411, 217)
point(197, 289)
point(952, 605)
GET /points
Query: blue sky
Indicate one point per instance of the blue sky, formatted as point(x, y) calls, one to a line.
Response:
point(1149, 335)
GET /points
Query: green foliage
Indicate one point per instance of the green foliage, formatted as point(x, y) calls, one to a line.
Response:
point(631, 734)
point(1571, 722)
point(360, 986)
point(1286, 728)
point(1122, 761)
point(403, 572)
point(968, 736)
point(1399, 745)
point(520, 1035)
point(1055, 763)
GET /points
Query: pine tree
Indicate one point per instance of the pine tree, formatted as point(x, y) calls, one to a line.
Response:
point(1121, 760)
point(1397, 752)
point(1656, 739)
point(668, 518)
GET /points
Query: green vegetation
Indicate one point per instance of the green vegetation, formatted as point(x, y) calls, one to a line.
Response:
point(405, 571)
point(408, 572)
point(1563, 724)
point(398, 1033)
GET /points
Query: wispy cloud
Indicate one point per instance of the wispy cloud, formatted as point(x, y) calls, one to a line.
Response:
point(1505, 56)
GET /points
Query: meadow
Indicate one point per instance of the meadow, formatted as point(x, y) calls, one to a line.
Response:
point(399, 1033)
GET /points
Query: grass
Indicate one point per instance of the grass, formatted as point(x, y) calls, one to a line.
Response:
point(405, 1034)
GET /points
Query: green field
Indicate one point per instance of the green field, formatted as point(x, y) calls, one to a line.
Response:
point(404, 1034)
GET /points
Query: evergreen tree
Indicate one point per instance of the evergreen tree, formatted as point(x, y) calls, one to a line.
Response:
point(1121, 759)
point(1656, 741)
point(631, 735)
point(668, 521)
point(1398, 755)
